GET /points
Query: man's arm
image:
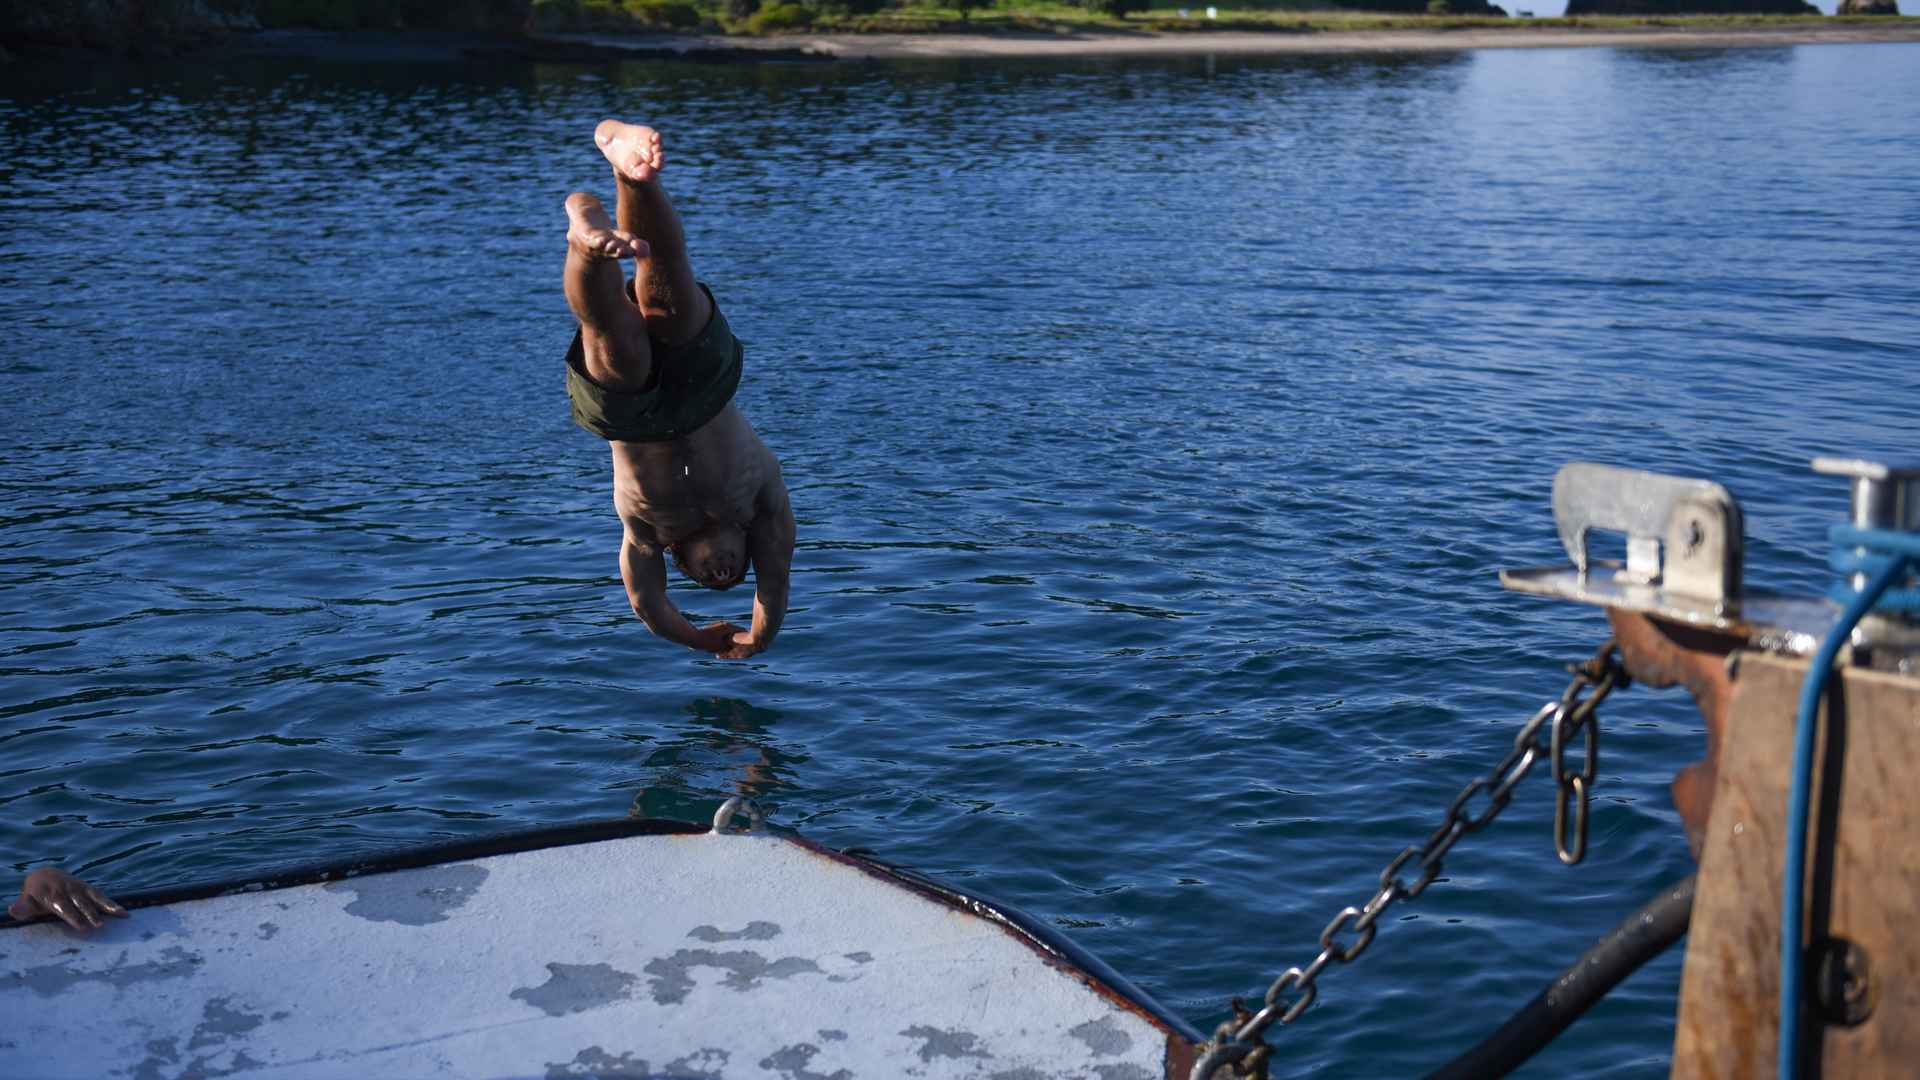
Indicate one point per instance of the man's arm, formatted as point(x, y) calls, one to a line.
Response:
point(770, 543)
point(645, 574)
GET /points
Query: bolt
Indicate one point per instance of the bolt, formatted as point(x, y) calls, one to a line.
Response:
point(1843, 983)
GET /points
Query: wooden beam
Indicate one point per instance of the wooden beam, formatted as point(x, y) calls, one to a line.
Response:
point(1864, 877)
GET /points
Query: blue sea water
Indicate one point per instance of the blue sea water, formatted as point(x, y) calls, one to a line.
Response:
point(1155, 432)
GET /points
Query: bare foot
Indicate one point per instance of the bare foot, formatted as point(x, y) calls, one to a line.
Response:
point(590, 231)
point(633, 150)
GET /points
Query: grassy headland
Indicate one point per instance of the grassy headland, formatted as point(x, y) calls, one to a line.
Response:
point(746, 17)
point(161, 26)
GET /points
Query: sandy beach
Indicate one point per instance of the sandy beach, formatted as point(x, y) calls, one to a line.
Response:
point(1199, 42)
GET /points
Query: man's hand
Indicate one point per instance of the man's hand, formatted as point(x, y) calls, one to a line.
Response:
point(718, 638)
point(50, 891)
point(645, 574)
point(742, 645)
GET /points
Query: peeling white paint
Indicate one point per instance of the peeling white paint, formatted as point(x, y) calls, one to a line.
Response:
point(649, 956)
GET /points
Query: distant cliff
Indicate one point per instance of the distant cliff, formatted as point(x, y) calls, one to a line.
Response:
point(1690, 7)
point(159, 26)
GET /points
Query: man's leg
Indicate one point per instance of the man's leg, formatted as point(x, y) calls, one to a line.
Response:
point(675, 307)
point(613, 333)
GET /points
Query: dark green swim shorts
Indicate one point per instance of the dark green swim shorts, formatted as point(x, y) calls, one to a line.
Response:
point(691, 383)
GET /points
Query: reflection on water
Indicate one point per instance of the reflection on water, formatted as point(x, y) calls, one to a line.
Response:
point(726, 748)
point(1155, 430)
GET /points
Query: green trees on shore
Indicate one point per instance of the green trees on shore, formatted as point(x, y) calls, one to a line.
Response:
point(161, 26)
point(776, 15)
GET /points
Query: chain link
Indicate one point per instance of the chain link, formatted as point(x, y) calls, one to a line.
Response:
point(1238, 1042)
point(1579, 716)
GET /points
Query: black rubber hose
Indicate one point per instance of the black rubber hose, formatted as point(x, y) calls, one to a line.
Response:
point(1644, 935)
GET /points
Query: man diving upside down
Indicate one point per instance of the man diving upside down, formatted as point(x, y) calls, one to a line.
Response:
point(653, 371)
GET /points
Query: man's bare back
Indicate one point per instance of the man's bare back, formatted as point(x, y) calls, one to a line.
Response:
point(653, 373)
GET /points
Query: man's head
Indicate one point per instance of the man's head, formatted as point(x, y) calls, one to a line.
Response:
point(716, 556)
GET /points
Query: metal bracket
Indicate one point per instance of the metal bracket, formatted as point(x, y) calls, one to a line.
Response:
point(1685, 547)
point(1694, 524)
point(723, 817)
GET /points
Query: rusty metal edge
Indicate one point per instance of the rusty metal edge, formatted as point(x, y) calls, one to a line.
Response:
point(1059, 951)
point(587, 832)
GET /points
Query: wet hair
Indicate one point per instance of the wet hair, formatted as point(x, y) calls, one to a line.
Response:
point(715, 557)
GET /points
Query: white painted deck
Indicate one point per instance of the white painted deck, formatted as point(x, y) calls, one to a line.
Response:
point(689, 956)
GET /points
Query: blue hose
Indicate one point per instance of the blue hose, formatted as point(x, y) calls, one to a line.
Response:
point(1890, 563)
point(1881, 546)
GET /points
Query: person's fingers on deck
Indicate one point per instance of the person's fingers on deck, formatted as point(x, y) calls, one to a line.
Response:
point(82, 909)
point(64, 908)
point(52, 891)
point(105, 904)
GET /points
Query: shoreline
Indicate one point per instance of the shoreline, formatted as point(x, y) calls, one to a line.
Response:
point(1081, 43)
point(1062, 43)
point(1254, 43)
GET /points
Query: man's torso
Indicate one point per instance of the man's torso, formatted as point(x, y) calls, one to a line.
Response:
point(667, 491)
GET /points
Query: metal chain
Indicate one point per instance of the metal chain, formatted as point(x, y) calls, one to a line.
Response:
point(1601, 675)
point(1238, 1042)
